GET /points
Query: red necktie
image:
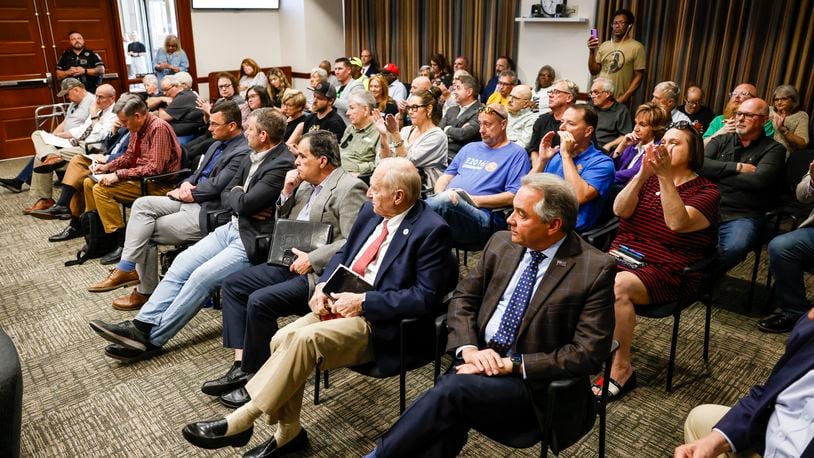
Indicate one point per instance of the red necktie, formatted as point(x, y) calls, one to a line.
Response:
point(371, 253)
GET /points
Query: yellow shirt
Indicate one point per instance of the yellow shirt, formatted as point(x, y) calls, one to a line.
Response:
point(497, 98)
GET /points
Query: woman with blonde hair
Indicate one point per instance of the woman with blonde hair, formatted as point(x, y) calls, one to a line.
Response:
point(377, 86)
point(170, 59)
point(251, 75)
point(278, 83)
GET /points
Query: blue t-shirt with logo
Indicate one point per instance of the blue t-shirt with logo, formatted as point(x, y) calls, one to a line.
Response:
point(480, 170)
point(598, 171)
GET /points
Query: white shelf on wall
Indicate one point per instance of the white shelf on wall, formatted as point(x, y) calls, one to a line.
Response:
point(552, 19)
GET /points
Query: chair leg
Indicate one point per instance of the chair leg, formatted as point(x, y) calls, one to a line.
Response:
point(671, 364)
point(326, 384)
point(603, 406)
point(402, 390)
point(316, 386)
point(754, 275)
point(708, 306)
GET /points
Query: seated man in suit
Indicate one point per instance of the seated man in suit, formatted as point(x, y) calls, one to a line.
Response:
point(790, 256)
point(318, 190)
point(538, 307)
point(399, 246)
point(774, 419)
point(153, 150)
point(196, 272)
point(180, 216)
point(460, 122)
point(579, 162)
point(488, 172)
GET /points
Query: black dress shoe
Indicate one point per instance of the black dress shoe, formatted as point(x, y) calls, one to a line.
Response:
point(111, 258)
point(70, 232)
point(777, 323)
point(236, 398)
point(127, 355)
point(12, 184)
point(125, 334)
point(235, 378)
point(269, 448)
point(211, 435)
point(55, 212)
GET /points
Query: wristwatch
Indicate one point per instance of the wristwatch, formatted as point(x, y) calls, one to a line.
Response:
point(517, 364)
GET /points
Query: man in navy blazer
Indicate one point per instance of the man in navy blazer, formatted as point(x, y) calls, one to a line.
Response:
point(399, 246)
point(774, 419)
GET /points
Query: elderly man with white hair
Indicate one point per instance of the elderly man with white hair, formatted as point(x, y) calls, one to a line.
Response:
point(521, 116)
point(614, 118)
point(666, 95)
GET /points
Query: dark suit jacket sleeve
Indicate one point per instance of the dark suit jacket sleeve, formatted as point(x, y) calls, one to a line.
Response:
point(469, 130)
point(591, 343)
point(262, 194)
point(735, 424)
point(212, 188)
point(431, 261)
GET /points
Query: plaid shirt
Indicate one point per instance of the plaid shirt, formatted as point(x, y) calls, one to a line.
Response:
point(151, 151)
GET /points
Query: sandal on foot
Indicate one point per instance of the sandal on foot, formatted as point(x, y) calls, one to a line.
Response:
point(615, 389)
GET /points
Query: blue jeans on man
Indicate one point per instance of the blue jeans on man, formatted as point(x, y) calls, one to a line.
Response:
point(470, 225)
point(194, 274)
point(736, 238)
point(790, 256)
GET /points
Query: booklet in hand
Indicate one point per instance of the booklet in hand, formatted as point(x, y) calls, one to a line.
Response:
point(302, 235)
point(344, 280)
point(465, 196)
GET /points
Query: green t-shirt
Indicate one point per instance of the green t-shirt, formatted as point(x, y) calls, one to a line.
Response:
point(718, 122)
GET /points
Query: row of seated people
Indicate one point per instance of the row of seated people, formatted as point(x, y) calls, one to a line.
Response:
point(309, 341)
point(493, 126)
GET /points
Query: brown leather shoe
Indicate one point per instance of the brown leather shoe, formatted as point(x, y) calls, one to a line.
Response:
point(115, 279)
point(50, 163)
point(42, 204)
point(132, 302)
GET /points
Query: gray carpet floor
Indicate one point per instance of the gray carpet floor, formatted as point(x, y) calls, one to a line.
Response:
point(77, 402)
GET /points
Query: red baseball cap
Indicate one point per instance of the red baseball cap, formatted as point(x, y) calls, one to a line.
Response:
point(391, 68)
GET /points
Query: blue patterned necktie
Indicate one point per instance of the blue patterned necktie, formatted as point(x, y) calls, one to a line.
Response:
point(513, 315)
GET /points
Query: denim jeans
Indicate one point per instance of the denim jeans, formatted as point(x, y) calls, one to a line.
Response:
point(736, 238)
point(194, 274)
point(790, 255)
point(469, 224)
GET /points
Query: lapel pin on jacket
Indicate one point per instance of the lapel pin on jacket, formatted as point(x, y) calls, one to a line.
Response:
point(560, 263)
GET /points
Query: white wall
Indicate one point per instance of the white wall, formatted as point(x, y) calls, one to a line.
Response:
point(299, 34)
point(561, 45)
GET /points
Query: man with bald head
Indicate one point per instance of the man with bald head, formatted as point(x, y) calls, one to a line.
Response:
point(747, 165)
point(100, 123)
point(725, 123)
point(521, 116)
point(695, 109)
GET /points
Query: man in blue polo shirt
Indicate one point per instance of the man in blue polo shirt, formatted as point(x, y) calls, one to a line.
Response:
point(589, 171)
point(483, 175)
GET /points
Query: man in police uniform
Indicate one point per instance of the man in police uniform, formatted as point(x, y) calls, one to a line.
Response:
point(80, 63)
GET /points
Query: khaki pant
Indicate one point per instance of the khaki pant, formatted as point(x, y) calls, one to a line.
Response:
point(700, 421)
point(78, 169)
point(42, 184)
point(106, 199)
point(278, 386)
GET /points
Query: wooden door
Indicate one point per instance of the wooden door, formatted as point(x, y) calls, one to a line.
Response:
point(33, 34)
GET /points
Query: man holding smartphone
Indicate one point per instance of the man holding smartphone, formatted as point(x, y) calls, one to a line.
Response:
point(620, 59)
